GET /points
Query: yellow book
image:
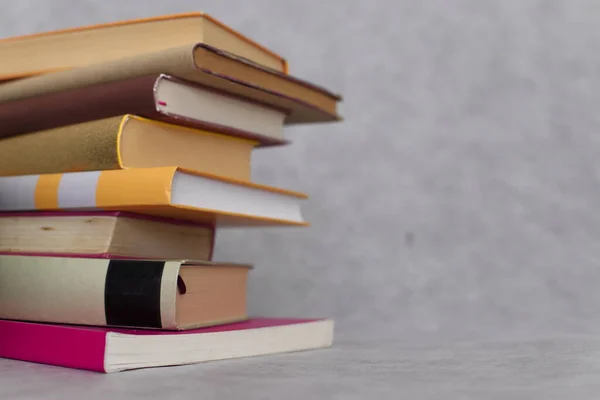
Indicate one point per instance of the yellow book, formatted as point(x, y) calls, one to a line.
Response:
point(85, 45)
point(166, 192)
point(125, 141)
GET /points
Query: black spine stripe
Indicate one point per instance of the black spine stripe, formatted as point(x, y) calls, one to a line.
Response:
point(132, 293)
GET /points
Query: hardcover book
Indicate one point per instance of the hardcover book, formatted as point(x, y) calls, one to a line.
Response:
point(84, 45)
point(170, 192)
point(199, 63)
point(158, 97)
point(125, 142)
point(104, 234)
point(157, 294)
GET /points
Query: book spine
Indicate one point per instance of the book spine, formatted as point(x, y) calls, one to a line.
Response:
point(87, 190)
point(89, 146)
point(81, 104)
point(53, 345)
point(85, 291)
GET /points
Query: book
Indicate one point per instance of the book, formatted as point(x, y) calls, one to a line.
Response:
point(104, 234)
point(199, 63)
point(158, 97)
point(84, 45)
point(165, 192)
point(123, 142)
point(109, 350)
point(149, 293)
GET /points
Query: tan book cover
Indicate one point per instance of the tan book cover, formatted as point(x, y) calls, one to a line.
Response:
point(104, 234)
point(85, 45)
point(125, 142)
point(303, 101)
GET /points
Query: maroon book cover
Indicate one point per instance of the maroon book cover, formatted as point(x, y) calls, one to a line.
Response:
point(130, 96)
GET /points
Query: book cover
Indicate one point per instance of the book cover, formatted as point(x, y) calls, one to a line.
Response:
point(148, 293)
point(141, 96)
point(170, 192)
point(203, 65)
point(104, 234)
point(125, 142)
point(72, 47)
point(109, 350)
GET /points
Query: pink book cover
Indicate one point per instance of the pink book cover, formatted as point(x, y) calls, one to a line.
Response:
point(85, 348)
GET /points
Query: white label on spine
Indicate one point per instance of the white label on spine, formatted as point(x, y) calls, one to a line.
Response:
point(78, 190)
point(17, 193)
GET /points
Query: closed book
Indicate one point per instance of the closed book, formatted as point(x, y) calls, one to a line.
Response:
point(124, 142)
point(84, 45)
point(151, 294)
point(165, 192)
point(104, 234)
point(108, 350)
point(157, 97)
point(304, 102)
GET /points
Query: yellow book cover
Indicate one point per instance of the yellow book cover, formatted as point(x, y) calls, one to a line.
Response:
point(166, 192)
point(123, 142)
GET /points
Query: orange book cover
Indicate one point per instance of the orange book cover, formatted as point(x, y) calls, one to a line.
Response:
point(164, 191)
point(45, 52)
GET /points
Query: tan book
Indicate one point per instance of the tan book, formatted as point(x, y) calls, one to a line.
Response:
point(75, 47)
point(151, 294)
point(125, 142)
point(104, 234)
point(302, 101)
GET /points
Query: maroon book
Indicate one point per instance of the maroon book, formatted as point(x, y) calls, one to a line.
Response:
point(158, 97)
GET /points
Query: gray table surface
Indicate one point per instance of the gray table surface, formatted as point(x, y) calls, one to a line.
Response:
point(533, 368)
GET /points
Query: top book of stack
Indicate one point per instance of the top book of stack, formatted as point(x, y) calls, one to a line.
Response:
point(46, 52)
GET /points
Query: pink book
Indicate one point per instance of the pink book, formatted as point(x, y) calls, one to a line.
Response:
point(112, 350)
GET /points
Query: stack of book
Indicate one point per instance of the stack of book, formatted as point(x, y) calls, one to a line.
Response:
point(123, 148)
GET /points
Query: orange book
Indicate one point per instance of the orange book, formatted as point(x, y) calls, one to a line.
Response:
point(165, 192)
point(80, 46)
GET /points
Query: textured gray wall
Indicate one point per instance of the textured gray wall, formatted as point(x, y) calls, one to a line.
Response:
point(458, 197)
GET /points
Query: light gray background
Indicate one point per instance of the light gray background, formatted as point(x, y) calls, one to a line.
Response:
point(455, 205)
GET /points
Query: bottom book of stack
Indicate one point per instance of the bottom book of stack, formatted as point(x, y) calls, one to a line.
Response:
point(112, 350)
point(114, 314)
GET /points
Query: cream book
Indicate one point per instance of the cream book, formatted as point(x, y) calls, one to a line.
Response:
point(152, 294)
point(85, 45)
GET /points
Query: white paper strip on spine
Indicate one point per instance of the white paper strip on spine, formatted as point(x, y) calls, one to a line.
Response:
point(78, 190)
point(18, 192)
